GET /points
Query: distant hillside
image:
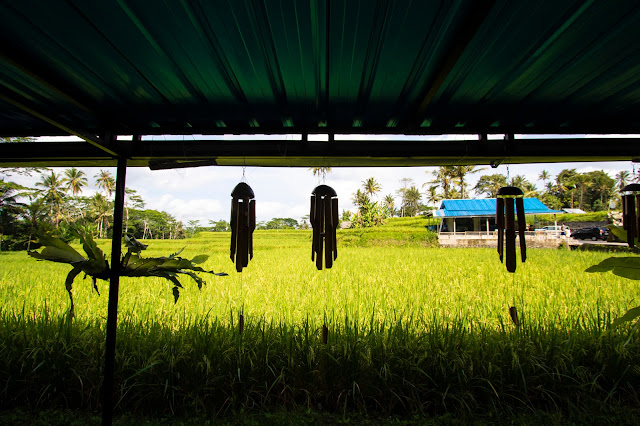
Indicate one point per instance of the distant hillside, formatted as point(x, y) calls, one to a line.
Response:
point(397, 231)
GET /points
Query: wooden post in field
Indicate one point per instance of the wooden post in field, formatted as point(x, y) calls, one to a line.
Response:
point(240, 323)
point(325, 334)
point(513, 311)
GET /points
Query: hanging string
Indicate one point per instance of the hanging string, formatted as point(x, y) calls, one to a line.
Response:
point(244, 170)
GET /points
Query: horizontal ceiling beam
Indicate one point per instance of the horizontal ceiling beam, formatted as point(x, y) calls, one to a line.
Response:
point(286, 153)
point(51, 119)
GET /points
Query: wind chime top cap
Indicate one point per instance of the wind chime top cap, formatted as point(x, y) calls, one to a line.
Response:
point(632, 187)
point(323, 191)
point(510, 190)
point(242, 190)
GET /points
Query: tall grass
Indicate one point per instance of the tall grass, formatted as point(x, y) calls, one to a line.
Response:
point(411, 330)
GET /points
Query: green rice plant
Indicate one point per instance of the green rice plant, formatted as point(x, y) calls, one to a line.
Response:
point(412, 330)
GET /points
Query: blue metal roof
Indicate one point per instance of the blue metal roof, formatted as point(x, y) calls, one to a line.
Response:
point(486, 207)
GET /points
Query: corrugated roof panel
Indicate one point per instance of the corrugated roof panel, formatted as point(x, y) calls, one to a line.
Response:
point(487, 207)
point(542, 67)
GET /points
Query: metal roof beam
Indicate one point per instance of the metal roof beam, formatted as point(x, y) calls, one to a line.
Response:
point(92, 139)
point(178, 153)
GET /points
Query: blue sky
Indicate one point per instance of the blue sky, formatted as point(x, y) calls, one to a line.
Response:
point(203, 193)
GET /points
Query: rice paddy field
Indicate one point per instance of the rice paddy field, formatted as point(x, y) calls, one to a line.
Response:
point(414, 331)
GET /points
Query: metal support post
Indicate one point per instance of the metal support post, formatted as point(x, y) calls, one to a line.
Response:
point(114, 284)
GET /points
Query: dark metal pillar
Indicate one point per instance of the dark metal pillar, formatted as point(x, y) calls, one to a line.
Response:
point(114, 284)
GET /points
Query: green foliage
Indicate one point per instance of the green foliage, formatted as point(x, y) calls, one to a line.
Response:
point(627, 267)
point(568, 217)
point(132, 264)
point(280, 223)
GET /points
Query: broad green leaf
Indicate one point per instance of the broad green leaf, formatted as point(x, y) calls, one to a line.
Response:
point(627, 267)
point(91, 248)
point(172, 255)
point(56, 250)
point(199, 259)
point(98, 268)
point(630, 315)
point(134, 245)
point(176, 294)
point(70, 277)
point(620, 233)
point(196, 278)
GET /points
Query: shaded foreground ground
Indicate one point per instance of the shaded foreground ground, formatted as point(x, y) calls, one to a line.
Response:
point(210, 371)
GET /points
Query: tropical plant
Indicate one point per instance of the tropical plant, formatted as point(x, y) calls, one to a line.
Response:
point(132, 264)
point(627, 267)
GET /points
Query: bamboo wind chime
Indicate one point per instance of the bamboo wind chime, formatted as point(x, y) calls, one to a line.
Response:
point(243, 223)
point(631, 212)
point(324, 221)
point(508, 198)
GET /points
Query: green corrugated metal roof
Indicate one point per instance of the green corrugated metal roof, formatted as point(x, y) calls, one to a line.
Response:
point(336, 66)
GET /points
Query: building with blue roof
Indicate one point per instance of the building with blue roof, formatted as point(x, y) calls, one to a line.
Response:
point(479, 215)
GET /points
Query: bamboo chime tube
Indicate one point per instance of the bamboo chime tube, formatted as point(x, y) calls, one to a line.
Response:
point(510, 235)
point(631, 212)
point(509, 206)
point(500, 225)
point(522, 228)
point(631, 219)
point(324, 221)
point(243, 223)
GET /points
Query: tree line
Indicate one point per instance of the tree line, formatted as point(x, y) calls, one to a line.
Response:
point(589, 191)
point(57, 205)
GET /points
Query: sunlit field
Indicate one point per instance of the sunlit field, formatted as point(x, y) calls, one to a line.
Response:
point(413, 329)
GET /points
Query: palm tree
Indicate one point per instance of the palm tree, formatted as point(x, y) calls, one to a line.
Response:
point(459, 173)
point(390, 204)
point(75, 180)
point(622, 178)
point(432, 195)
point(443, 176)
point(131, 199)
point(371, 187)
point(411, 201)
point(544, 176)
point(102, 210)
point(53, 194)
point(490, 184)
point(106, 182)
point(582, 182)
point(9, 206)
point(321, 172)
point(33, 212)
